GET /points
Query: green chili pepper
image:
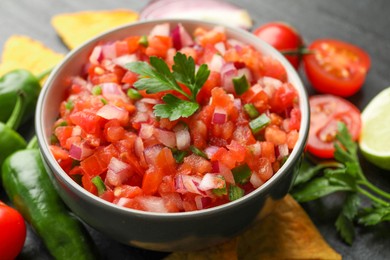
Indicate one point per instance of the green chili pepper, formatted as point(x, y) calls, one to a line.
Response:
point(10, 140)
point(28, 186)
point(15, 82)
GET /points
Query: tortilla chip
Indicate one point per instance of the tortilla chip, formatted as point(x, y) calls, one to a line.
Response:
point(76, 28)
point(282, 231)
point(22, 52)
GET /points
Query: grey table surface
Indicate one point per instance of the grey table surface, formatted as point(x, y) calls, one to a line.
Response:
point(365, 23)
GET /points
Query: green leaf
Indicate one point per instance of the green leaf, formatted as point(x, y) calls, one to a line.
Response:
point(184, 69)
point(344, 222)
point(174, 108)
point(317, 188)
point(339, 177)
point(201, 77)
point(374, 215)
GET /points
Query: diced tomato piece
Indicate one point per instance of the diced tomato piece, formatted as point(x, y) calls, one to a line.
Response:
point(59, 153)
point(86, 181)
point(108, 195)
point(237, 150)
point(274, 69)
point(268, 151)
point(158, 46)
point(132, 43)
point(222, 155)
point(63, 133)
point(211, 37)
point(283, 98)
point(275, 135)
point(263, 169)
point(198, 164)
point(121, 48)
point(88, 121)
point(214, 80)
point(295, 119)
point(152, 180)
point(292, 138)
point(243, 135)
point(130, 77)
point(198, 132)
point(166, 162)
point(127, 191)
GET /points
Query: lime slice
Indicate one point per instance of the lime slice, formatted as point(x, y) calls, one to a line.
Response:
point(374, 140)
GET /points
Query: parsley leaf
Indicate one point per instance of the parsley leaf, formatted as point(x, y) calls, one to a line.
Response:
point(157, 77)
point(344, 175)
point(174, 108)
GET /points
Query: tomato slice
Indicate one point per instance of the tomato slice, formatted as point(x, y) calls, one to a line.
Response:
point(336, 67)
point(326, 112)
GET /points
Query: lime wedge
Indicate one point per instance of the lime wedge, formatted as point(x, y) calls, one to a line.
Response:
point(374, 141)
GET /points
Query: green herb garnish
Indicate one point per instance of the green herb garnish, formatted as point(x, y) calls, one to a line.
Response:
point(344, 175)
point(157, 77)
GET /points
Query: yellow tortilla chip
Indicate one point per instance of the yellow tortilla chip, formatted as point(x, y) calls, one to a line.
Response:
point(22, 52)
point(76, 28)
point(282, 231)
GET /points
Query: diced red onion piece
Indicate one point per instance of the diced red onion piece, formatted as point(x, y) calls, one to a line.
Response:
point(160, 30)
point(255, 149)
point(235, 43)
point(124, 59)
point(167, 138)
point(211, 150)
point(77, 130)
point(151, 101)
point(117, 172)
point(146, 131)
point(183, 139)
point(109, 51)
point(245, 71)
point(122, 201)
point(202, 202)
point(151, 153)
point(226, 173)
point(96, 55)
point(80, 151)
point(228, 72)
point(283, 151)
point(180, 37)
point(191, 184)
point(113, 112)
point(152, 204)
point(255, 180)
point(220, 47)
point(112, 91)
point(216, 63)
point(219, 116)
point(237, 103)
point(210, 10)
point(211, 181)
point(139, 146)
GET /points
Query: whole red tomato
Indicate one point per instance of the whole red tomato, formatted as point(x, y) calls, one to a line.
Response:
point(12, 232)
point(284, 38)
point(336, 67)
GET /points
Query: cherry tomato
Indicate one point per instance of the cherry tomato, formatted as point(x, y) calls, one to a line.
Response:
point(326, 112)
point(336, 67)
point(13, 232)
point(282, 37)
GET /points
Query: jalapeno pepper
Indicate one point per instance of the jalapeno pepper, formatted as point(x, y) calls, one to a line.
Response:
point(19, 81)
point(10, 140)
point(28, 186)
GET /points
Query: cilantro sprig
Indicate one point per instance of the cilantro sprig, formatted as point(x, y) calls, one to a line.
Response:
point(157, 77)
point(344, 175)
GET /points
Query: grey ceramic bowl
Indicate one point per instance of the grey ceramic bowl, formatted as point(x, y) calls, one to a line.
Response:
point(161, 231)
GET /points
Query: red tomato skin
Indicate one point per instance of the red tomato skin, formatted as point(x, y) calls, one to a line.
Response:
point(343, 111)
point(281, 36)
point(328, 83)
point(13, 232)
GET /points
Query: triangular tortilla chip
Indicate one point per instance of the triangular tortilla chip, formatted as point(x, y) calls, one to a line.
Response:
point(76, 28)
point(286, 233)
point(22, 52)
point(282, 231)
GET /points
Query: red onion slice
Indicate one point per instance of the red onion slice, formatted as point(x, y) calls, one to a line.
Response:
point(209, 10)
point(80, 151)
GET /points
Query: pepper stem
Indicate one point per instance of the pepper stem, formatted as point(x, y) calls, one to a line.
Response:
point(15, 118)
point(33, 143)
point(43, 74)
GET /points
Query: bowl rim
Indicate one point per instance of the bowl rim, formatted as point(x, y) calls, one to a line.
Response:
point(295, 154)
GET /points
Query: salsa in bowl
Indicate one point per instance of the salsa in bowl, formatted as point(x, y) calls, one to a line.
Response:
point(172, 124)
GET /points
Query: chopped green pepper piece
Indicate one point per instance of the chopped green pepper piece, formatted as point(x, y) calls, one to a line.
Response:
point(235, 192)
point(259, 123)
point(133, 94)
point(96, 90)
point(69, 105)
point(241, 84)
point(241, 173)
point(104, 101)
point(198, 152)
point(251, 110)
point(143, 41)
point(179, 155)
point(99, 184)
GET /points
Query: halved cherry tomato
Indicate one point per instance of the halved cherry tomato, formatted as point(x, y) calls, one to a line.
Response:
point(282, 37)
point(13, 232)
point(326, 112)
point(336, 67)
